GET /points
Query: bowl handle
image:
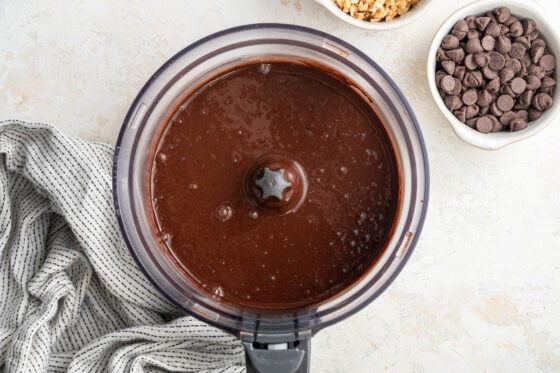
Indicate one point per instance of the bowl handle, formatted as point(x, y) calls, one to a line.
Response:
point(291, 357)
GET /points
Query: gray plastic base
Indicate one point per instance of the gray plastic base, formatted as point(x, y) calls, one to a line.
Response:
point(292, 357)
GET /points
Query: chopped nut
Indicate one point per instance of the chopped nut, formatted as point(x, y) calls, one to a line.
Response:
point(376, 10)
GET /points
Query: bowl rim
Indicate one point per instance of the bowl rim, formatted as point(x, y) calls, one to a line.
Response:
point(493, 141)
point(400, 21)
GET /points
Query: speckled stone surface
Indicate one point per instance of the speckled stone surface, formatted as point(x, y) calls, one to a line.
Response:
point(481, 293)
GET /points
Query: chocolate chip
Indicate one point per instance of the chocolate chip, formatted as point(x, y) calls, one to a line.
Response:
point(469, 62)
point(481, 59)
point(471, 122)
point(470, 97)
point(506, 90)
point(473, 34)
point(534, 35)
point(482, 22)
point(447, 84)
point(523, 40)
point(489, 73)
point(494, 30)
point(524, 101)
point(527, 57)
point(525, 61)
point(459, 72)
point(518, 85)
point(484, 124)
point(452, 102)
point(548, 82)
point(542, 101)
point(513, 64)
point(448, 66)
point(460, 114)
point(511, 20)
point(450, 42)
point(495, 110)
point(538, 43)
point(458, 87)
point(517, 125)
point(506, 74)
point(548, 91)
point(497, 61)
point(502, 14)
point(533, 82)
point(496, 125)
point(490, 14)
point(506, 118)
point(504, 103)
point(485, 98)
point(456, 55)
point(536, 70)
point(488, 43)
point(536, 54)
point(523, 71)
point(472, 79)
point(441, 56)
point(534, 114)
point(474, 45)
point(522, 114)
point(517, 50)
point(515, 29)
point(547, 62)
point(504, 30)
point(528, 26)
point(471, 111)
point(484, 110)
point(493, 86)
point(503, 44)
point(470, 22)
point(460, 29)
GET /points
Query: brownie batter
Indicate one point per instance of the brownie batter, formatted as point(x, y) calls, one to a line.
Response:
point(274, 186)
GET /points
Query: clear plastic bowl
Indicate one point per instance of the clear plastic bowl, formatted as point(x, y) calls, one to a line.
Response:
point(187, 70)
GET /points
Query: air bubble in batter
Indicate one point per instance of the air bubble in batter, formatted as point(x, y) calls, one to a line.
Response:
point(224, 212)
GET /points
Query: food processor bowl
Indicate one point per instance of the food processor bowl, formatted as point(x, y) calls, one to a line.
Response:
point(274, 341)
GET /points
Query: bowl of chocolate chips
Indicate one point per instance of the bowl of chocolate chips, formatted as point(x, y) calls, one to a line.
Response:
point(492, 71)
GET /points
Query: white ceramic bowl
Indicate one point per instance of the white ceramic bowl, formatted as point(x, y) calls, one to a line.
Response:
point(523, 9)
point(400, 21)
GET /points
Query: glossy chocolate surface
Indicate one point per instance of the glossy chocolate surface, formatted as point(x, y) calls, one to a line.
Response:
point(333, 186)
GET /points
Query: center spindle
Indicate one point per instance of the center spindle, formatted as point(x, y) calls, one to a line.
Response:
point(276, 183)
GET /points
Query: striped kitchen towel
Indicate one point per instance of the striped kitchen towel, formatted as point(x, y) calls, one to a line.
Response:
point(71, 296)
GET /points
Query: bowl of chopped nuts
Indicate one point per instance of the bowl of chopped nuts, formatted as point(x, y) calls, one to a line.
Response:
point(376, 15)
point(492, 71)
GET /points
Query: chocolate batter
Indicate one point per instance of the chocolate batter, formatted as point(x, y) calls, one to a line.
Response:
point(274, 186)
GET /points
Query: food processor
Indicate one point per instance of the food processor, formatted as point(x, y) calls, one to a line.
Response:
point(274, 341)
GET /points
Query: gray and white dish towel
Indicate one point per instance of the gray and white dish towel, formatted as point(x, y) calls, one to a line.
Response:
point(71, 296)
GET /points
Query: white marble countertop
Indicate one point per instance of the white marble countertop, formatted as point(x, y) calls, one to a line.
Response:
point(482, 289)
